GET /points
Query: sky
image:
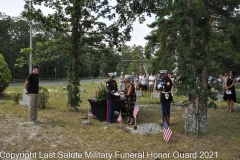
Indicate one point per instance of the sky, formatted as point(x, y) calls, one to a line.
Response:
point(15, 7)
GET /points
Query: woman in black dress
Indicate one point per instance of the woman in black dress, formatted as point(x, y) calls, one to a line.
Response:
point(230, 94)
point(130, 99)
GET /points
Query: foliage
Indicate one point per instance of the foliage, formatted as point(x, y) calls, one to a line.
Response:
point(5, 74)
point(238, 99)
point(16, 96)
point(14, 35)
point(212, 105)
point(43, 97)
point(101, 93)
point(182, 36)
point(84, 33)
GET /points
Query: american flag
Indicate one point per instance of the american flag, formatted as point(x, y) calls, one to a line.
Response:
point(167, 132)
point(119, 118)
point(186, 110)
point(136, 109)
point(90, 114)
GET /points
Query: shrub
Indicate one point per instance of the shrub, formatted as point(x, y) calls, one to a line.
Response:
point(238, 99)
point(43, 97)
point(16, 96)
point(5, 74)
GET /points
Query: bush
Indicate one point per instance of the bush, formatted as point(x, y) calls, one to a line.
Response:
point(238, 99)
point(5, 74)
point(43, 97)
point(16, 96)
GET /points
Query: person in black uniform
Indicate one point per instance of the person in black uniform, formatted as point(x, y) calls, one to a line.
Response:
point(166, 96)
point(111, 98)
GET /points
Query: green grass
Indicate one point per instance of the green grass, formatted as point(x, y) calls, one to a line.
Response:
point(61, 129)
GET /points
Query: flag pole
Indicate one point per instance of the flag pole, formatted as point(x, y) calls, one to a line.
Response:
point(121, 120)
point(135, 117)
point(88, 115)
point(135, 126)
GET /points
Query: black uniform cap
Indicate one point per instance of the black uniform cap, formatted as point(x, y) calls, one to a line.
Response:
point(36, 66)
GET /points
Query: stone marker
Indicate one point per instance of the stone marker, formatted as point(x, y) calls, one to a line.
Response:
point(146, 128)
point(139, 93)
point(220, 97)
point(82, 90)
point(85, 122)
point(155, 95)
point(184, 116)
point(25, 99)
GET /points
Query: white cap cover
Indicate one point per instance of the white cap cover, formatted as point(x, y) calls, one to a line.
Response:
point(163, 71)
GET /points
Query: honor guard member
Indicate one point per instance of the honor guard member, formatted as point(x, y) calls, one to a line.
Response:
point(111, 98)
point(166, 96)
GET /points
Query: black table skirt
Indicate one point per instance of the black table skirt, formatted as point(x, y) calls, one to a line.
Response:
point(99, 108)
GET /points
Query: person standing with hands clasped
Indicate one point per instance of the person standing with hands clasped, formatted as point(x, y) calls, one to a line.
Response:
point(111, 98)
point(230, 94)
point(121, 80)
point(32, 87)
point(166, 96)
point(130, 95)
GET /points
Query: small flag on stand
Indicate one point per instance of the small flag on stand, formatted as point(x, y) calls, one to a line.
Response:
point(119, 118)
point(167, 132)
point(136, 109)
point(186, 110)
point(90, 115)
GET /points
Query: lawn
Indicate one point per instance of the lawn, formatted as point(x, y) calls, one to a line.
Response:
point(62, 136)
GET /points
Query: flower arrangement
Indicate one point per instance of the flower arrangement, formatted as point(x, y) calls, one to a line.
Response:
point(100, 95)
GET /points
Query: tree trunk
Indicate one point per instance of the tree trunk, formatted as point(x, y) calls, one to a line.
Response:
point(74, 68)
point(202, 109)
point(191, 121)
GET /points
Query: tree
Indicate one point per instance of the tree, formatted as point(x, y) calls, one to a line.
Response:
point(183, 32)
point(79, 20)
point(125, 58)
point(5, 74)
point(13, 37)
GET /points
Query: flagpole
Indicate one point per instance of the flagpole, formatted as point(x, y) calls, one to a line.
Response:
point(135, 115)
point(121, 120)
point(88, 115)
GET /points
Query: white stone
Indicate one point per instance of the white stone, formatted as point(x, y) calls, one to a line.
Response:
point(25, 98)
point(184, 116)
point(82, 90)
point(85, 122)
point(155, 95)
point(139, 93)
point(220, 97)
